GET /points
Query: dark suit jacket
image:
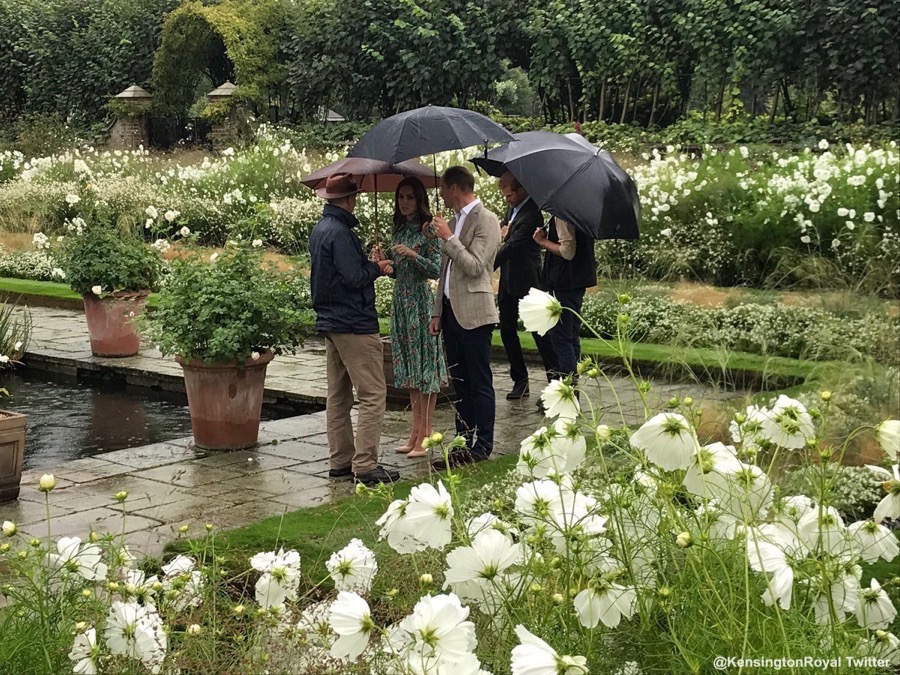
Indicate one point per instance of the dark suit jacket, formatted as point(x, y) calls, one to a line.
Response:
point(519, 259)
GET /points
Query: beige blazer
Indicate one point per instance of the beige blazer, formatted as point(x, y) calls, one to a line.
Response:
point(472, 253)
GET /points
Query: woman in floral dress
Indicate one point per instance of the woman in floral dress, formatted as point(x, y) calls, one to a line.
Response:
point(419, 363)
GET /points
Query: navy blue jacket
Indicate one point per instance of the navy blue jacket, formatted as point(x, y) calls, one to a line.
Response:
point(342, 279)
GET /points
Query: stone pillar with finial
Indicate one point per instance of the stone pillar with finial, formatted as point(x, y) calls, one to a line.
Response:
point(224, 127)
point(131, 129)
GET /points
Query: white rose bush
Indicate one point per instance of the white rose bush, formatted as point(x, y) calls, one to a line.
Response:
point(606, 548)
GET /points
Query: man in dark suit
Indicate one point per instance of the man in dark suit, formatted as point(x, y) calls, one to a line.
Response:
point(519, 260)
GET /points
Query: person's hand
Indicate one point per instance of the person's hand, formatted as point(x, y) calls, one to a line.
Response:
point(540, 236)
point(377, 254)
point(442, 228)
point(405, 251)
point(385, 266)
point(434, 328)
point(503, 232)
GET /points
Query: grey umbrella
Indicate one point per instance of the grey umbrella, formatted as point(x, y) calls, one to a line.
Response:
point(425, 131)
point(572, 179)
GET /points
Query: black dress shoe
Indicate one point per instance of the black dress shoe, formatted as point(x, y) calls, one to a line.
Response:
point(519, 390)
point(458, 458)
point(341, 474)
point(377, 475)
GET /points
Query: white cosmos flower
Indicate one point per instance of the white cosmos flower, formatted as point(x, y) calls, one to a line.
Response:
point(394, 528)
point(787, 424)
point(535, 500)
point(609, 605)
point(256, 243)
point(560, 400)
point(429, 514)
point(85, 653)
point(133, 631)
point(180, 564)
point(883, 645)
point(768, 557)
point(559, 449)
point(185, 231)
point(709, 469)
point(533, 656)
point(822, 529)
point(888, 434)
point(86, 560)
point(889, 507)
point(668, 440)
point(353, 567)
point(96, 290)
point(748, 493)
point(873, 541)
point(844, 593)
point(272, 592)
point(171, 215)
point(539, 311)
point(490, 554)
point(351, 619)
point(440, 630)
point(875, 609)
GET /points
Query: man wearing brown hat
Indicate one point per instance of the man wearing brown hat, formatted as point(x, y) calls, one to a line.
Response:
point(342, 281)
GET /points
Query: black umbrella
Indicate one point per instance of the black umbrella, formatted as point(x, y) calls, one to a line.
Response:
point(425, 131)
point(572, 179)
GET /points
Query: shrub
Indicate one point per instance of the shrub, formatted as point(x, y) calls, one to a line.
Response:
point(226, 309)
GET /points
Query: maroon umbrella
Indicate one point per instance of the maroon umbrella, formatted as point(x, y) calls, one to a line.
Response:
point(373, 175)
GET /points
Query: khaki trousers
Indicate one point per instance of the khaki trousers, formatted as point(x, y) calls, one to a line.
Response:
point(354, 362)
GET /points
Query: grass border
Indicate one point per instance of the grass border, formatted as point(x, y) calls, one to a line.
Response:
point(741, 369)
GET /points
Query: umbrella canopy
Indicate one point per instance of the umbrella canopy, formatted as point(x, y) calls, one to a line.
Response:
point(572, 179)
point(425, 131)
point(373, 175)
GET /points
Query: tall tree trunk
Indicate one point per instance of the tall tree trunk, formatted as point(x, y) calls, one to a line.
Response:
point(721, 100)
point(571, 99)
point(774, 105)
point(788, 106)
point(653, 105)
point(637, 98)
point(602, 115)
point(625, 101)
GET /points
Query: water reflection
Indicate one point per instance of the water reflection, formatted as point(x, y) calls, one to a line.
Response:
point(68, 418)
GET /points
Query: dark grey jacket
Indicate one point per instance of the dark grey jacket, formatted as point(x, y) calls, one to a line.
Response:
point(342, 279)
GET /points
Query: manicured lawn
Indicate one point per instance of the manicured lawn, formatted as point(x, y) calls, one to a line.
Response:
point(649, 359)
point(319, 531)
point(48, 289)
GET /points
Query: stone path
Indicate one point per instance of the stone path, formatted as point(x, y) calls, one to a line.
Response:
point(172, 484)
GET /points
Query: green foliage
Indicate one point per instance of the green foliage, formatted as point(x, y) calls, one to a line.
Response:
point(115, 261)
point(226, 310)
point(68, 57)
point(229, 40)
point(15, 333)
point(855, 490)
point(123, 109)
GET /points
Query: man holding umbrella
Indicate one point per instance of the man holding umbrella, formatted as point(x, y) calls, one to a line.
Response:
point(569, 270)
point(464, 310)
point(519, 260)
point(342, 281)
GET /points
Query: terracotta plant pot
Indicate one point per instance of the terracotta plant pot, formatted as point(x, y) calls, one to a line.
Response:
point(111, 322)
point(12, 453)
point(225, 401)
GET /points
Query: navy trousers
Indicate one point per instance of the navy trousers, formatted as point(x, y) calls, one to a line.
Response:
point(469, 363)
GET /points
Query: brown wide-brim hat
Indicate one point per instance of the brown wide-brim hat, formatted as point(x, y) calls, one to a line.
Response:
point(338, 186)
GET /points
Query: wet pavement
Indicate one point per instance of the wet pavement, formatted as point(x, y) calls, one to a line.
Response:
point(171, 484)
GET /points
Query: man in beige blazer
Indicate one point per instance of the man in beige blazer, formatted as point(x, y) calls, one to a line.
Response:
point(464, 310)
